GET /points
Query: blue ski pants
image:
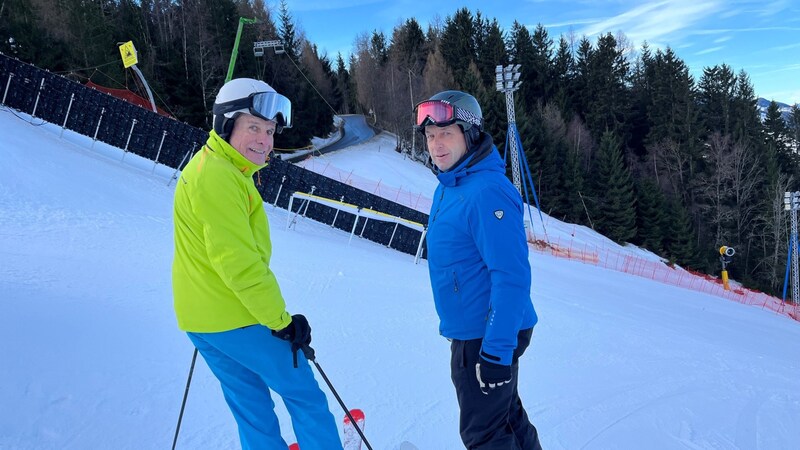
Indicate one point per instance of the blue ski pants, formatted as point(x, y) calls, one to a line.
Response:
point(248, 362)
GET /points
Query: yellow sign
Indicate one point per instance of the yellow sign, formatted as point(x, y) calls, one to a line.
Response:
point(128, 53)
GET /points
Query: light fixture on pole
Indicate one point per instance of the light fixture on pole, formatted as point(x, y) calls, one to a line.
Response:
point(507, 78)
point(791, 202)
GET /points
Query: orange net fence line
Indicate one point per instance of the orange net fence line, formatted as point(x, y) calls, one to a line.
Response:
point(662, 273)
point(413, 200)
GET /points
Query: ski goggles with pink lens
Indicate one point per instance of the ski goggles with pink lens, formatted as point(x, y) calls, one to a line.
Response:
point(442, 114)
point(266, 105)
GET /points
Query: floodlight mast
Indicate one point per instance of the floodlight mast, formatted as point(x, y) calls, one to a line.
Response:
point(507, 78)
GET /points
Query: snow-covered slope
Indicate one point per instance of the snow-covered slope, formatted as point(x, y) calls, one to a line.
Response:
point(91, 357)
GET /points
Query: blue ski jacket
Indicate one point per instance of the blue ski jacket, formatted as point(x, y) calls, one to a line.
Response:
point(478, 254)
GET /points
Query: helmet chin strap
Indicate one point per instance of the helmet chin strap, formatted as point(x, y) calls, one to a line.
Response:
point(472, 137)
point(224, 126)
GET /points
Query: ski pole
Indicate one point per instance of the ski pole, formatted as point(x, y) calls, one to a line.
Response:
point(309, 352)
point(185, 395)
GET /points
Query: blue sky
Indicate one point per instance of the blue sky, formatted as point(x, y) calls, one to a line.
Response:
point(761, 37)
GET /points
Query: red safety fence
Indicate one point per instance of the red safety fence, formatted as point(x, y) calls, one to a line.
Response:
point(128, 96)
point(658, 271)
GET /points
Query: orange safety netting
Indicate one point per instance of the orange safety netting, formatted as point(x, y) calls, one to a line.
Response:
point(662, 273)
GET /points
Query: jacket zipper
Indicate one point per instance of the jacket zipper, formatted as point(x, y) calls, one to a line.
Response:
point(439, 206)
point(455, 283)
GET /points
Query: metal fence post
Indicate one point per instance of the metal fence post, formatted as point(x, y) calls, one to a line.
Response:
point(99, 121)
point(69, 108)
point(175, 174)
point(38, 94)
point(8, 83)
point(159, 151)
point(130, 133)
point(279, 192)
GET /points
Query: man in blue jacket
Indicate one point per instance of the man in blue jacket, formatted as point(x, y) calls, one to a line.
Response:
point(480, 274)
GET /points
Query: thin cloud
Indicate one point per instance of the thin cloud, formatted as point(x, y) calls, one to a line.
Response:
point(709, 50)
point(743, 30)
point(568, 23)
point(327, 5)
point(786, 68)
point(730, 13)
point(773, 8)
point(657, 20)
point(722, 39)
point(786, 47)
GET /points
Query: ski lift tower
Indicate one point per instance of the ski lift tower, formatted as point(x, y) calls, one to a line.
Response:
point(791, 202)
point(507, 82)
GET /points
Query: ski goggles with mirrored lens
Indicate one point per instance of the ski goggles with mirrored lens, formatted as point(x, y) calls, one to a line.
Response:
point(435, 112)
point(266, 105)
point(442, 114)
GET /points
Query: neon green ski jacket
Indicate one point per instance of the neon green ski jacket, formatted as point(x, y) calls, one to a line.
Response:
point(221, 278)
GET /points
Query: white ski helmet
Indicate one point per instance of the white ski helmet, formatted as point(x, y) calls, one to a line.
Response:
point(246, 95)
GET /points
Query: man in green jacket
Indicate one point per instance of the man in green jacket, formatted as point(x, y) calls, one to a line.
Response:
point(226, 297)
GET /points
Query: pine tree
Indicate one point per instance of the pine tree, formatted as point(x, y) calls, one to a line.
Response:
point(615, 211)
point(495, 122)
point(532, 135)
point(582, 78)
point(679, 237)
point(490, 48)
point(778, 141)
point(607, 97)
point(794, 127)
point(344, 85)
point(746, 117)
point(378, 48)
point(562, 75)
point(540, 80)
point(650, 206)
point(287, 32)
point(522, 52)
point(640, 102)
point(716, 98)
point(572, 181)
point(458, 43)
point(553, 196)
point(673, 142)
point(408, 46)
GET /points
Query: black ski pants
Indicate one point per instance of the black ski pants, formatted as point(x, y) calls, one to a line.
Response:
point(496, 421)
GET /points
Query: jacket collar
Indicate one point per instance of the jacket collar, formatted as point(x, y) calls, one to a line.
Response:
point(482, 156)
point(222, 148)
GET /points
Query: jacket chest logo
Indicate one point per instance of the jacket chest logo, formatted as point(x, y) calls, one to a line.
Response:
point(499, 214)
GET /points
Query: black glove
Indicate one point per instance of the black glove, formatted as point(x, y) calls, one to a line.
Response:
point(298, 332)
point(491, 376)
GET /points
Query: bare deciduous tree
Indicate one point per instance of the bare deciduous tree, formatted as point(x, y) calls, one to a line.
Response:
point(716, 188)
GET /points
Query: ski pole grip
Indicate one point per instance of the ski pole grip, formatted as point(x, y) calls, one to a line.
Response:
point(308, 351)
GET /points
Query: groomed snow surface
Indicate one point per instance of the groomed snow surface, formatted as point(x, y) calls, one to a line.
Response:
point(91, 357)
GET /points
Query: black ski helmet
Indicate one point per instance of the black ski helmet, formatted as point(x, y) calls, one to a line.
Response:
point(467, 115)
point(467, 110)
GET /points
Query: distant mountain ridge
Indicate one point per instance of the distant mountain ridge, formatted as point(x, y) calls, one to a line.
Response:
point(763, 104)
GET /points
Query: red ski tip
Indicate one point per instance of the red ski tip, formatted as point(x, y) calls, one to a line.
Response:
point(358, 416)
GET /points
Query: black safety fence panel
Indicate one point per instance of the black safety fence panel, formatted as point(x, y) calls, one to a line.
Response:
point(100, 116)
